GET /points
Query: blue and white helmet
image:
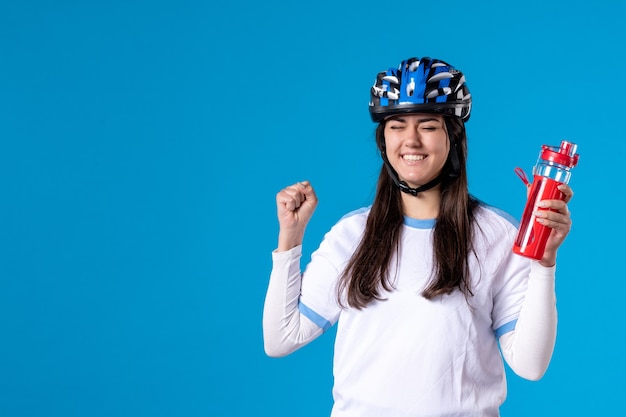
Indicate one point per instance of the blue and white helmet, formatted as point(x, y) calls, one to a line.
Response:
point(423, 85)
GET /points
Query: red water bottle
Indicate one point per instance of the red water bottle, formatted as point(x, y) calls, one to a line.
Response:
point(552, 169)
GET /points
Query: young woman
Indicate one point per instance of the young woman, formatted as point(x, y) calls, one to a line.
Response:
point(423, 284)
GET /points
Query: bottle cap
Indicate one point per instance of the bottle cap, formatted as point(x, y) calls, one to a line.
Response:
point(565, 155)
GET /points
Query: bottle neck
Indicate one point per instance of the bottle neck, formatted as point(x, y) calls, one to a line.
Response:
point(557, 172)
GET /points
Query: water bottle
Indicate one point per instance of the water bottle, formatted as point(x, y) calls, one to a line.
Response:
point(553, 168)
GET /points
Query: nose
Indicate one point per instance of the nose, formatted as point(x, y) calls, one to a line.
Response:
point(413, 136)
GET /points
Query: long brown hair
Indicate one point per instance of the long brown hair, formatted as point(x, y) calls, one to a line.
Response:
point(367, 272)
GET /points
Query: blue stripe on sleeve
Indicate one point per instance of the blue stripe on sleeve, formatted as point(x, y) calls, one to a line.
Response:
point(314, 317)
point(505, 328)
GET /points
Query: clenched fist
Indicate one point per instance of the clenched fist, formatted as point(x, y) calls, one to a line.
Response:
point(295, 204)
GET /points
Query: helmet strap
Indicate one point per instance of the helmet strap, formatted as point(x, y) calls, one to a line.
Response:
point(402, 185)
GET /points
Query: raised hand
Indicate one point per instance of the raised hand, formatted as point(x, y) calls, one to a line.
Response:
point(295, 206)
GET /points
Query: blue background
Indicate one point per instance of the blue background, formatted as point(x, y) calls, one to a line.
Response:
point(142, 145)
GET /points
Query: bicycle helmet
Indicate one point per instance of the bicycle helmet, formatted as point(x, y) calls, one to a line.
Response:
point(423, 85)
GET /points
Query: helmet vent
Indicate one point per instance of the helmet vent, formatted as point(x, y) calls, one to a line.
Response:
point(461, 83)
point(439, 92)
point(410, 87)
point(440, 76)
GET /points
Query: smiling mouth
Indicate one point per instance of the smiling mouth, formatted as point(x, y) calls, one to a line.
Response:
point(413, 157)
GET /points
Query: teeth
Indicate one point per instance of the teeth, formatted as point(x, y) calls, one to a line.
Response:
point(413, 157)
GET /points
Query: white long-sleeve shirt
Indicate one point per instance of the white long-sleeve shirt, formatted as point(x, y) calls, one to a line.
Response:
point(408, 356)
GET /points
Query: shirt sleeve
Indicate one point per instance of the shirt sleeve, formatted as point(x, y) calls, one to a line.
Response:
point(510, 292)
point(299, 307)
point(528, 348)
point(284, 328)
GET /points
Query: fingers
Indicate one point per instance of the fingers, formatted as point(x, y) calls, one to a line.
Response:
point(554, 219)
point(290, 197)
point(558, 205)
point(296, 204)
point(293, 196)
point(554, 214)
point(567, 192)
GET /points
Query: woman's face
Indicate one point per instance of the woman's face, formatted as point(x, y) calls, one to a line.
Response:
point(417, 146)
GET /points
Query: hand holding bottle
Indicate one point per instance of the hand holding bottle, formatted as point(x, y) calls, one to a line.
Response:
point(554, 214)
point(546, 220)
